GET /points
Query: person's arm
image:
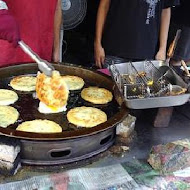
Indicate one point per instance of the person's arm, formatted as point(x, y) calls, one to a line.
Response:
point(164, 27)
point(99, 52)
point(57, 28)
point(9, 29)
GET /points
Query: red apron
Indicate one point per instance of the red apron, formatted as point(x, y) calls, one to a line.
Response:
point(36, 20)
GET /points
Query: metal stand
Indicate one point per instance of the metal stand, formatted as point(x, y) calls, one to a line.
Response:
point(163, 117)
point(61, 43)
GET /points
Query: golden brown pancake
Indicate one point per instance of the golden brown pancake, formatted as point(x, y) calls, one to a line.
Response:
point(73, 82)
point(52, 91)
point(8, 115)
point(40, 126)
point(7, 97)
point(86, 116)
point(96, 95)
point(23, 83)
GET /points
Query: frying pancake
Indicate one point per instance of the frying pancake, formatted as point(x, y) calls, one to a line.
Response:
point(96, 95)
point(52, 91)
point(8, 116)
point(86, 116)
point(24, 83)
point(40, 126)
point(177, 90)
point(73, 82)
point(43, 108)
point(7, 97)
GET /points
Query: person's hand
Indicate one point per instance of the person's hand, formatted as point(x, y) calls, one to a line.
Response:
point(9, 29)
point(99, 55)
point(161, 55)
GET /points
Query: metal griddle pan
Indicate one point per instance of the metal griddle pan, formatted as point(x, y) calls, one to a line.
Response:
point(27, 105)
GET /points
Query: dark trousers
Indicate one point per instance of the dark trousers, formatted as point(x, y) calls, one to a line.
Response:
point(182, 51)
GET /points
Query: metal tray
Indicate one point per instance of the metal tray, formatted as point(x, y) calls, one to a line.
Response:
point(152, 102)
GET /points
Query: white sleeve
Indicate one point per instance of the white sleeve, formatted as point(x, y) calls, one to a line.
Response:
point(3, 5)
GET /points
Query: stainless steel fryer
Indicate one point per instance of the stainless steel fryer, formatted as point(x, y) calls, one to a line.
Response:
point(143, 98)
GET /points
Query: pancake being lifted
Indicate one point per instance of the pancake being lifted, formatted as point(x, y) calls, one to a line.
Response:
point(52, 92)
point(7, 97)
point(40, 126)
point(86, 116)
point(8, 116)
point(96, 95)
point(24, 83)
point(73, 82)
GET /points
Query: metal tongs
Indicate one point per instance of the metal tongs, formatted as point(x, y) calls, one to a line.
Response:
point(43, 65)
point(185, 68)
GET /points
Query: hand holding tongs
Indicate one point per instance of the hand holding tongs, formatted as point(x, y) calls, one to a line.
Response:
point(43, 65)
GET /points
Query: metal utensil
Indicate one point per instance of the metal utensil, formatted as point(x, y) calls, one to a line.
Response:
point(43, 65)
point(185, 68)
point(153, 102)
point(173, 46)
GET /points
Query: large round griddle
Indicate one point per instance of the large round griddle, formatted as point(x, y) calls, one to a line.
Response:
point(73, 143)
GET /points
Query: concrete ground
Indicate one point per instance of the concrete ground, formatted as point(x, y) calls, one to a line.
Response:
point(148, 136)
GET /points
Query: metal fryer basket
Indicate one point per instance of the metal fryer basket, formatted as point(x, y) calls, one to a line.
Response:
point(143, 97)
point(148, 82)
